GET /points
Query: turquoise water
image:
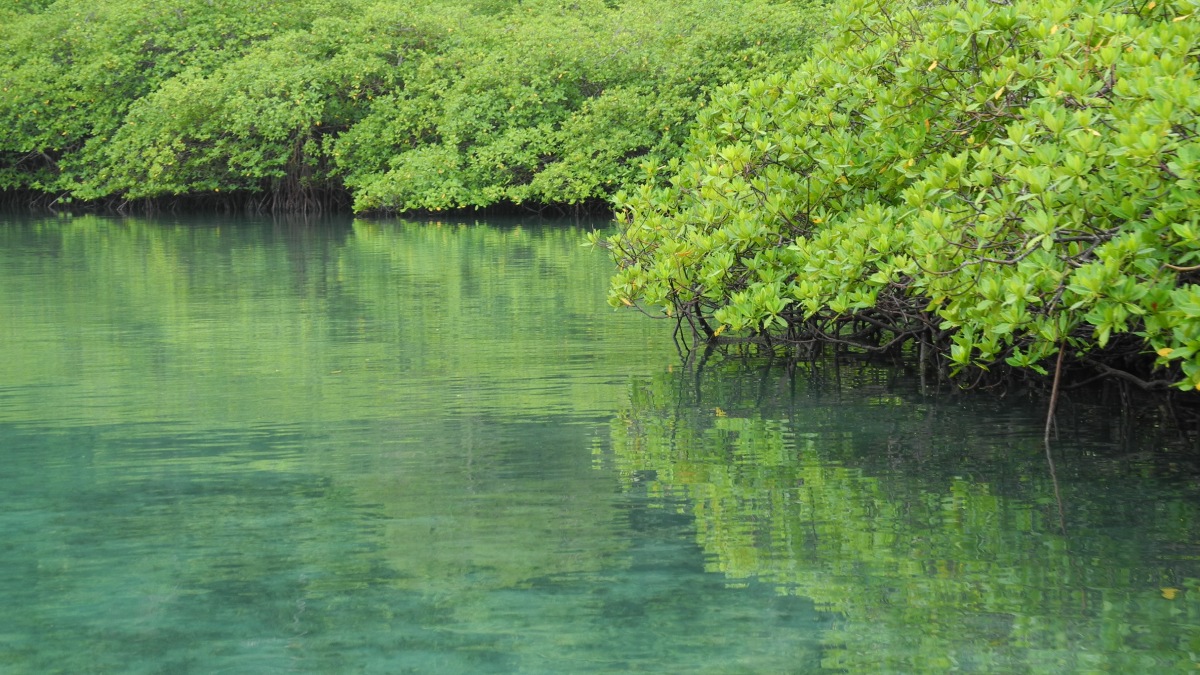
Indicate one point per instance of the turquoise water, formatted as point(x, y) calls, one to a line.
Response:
point(237, 446)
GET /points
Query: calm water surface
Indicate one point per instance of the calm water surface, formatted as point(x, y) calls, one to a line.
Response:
point(234, 446)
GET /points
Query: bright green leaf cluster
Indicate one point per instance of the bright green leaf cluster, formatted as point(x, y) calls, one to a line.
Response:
point(997, 181)
point(556, 103)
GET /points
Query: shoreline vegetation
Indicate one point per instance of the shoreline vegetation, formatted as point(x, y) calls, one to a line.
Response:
point(377, 106)
point(994, 189)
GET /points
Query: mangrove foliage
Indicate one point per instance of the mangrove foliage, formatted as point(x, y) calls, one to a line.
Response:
point(395, 106)
point(986, 185)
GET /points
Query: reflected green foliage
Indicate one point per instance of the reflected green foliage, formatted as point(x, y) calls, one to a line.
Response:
point(997, 182)
point(939, 543)
point(415, 105)
point(234, 446)
point(245, 313)
point(216, 326)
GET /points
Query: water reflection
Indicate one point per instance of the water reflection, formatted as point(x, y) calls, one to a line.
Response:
point(929, 525)
point(370, 447)
point(389, 447)
point(266, 321)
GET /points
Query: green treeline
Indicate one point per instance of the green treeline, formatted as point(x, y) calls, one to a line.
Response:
point(986, 185)
point(416, 105)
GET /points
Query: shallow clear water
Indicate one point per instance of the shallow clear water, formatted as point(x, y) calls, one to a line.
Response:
point(387, 447)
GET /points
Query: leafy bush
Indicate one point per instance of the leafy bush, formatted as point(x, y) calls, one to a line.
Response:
point(262, 122)
point(996, 182)
point(414, 105)
point(556, 103)
point(72, 70)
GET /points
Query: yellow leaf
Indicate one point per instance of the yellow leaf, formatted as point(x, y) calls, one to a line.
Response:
point(931, 66)
point(998, 93)
point(627, 302)
point(1152, 5)
point(719, 412)
point(1165, 352)
point(1170, 593)
point(1053, 29)
point(910, 162)
point(720, 329)
point(1181, 18)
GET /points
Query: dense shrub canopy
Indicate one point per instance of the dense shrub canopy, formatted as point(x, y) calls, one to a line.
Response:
point(998, 181)
point(409, 105)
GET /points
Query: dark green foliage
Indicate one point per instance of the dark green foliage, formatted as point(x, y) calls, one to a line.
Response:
point(414, 105)
point(995, 181)
point(72, 71)
point(263, 122)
